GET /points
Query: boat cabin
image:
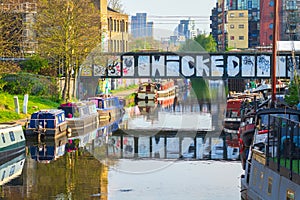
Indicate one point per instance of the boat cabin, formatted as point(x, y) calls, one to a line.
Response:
point(47, 118)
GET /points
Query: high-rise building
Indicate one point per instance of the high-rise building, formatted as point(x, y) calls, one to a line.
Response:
point(140, 27)
point(187, 29)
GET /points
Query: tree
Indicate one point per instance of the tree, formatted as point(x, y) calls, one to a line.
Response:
point(34, 64)
point(207, 42)
point(67, 30)
point(294, 93)
point(115, 5)
point(10, 33)
point(202, 42)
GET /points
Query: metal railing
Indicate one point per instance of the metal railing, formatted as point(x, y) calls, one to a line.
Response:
point(283, 145)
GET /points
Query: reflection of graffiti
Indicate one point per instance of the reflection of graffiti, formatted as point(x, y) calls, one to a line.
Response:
point(263, 64)
point(247, 61)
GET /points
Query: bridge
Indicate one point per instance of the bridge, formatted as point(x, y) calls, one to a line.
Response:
point(233, 65)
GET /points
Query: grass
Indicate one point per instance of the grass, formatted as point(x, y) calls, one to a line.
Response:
point(284, 162)
point(7, 107)
point(35, 103)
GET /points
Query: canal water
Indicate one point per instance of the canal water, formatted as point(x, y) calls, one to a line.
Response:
point(156, 150)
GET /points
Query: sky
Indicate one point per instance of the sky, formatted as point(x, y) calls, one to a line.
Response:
point(158, 10)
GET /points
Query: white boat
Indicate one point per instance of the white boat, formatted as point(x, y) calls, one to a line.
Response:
point(81, 116)
point(12, 139)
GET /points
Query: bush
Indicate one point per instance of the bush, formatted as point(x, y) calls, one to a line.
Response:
point(23, 83)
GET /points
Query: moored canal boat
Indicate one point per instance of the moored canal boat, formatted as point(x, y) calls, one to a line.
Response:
point(50, 122)
point(147, 91)
point(166, 88)
point(273, 159)
point(81, 116)
point(12, 140)
point(108, 107)
point(272, 166)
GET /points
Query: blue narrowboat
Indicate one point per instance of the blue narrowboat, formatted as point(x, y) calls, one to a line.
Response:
point(108, 107)
point(47, 122)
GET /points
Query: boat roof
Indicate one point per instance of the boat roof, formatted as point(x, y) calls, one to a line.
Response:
point(50, 111)
point(9, 125)
point(76, 104)
point(278, 111)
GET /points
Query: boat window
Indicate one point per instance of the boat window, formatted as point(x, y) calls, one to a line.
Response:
point(290, 195)
point(12, 170)
point(3, 138)
point(270, 182)
point(100, 104)
point(3, 176)
point(264, 119)
point(261, 180)
point(12, 136)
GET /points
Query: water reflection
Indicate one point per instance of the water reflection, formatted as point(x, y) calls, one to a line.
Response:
point(81, 167)
point(11, 168)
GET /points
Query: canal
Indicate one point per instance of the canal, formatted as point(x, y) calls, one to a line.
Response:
point(155, 150)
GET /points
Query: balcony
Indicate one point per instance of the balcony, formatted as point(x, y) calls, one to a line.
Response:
point(291, 6)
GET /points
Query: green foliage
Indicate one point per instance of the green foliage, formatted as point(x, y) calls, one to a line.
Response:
point(207, 42)
point(34, 64)
point(292, 98)
point(191, 46)
point(202, 42)
point(201, 88)
point(23, 83)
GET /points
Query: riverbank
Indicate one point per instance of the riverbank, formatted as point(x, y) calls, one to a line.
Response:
point(9, 115)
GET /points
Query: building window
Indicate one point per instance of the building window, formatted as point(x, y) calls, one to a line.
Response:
point(271, 3)
point(271, 26)
point(231, 15)
point(241, 14)
point(290, 195)
point(241, 26)
point(231, 26)
point(231, 37)
point(115, 25)
point(241, 37)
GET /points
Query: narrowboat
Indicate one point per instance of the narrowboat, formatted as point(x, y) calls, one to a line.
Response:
point(272, 163)
point(50, 122)
point(165, 88)
point(273, 158)
point(108, 107)
point(147, 91)
point(12, 140)
point(81, 116)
